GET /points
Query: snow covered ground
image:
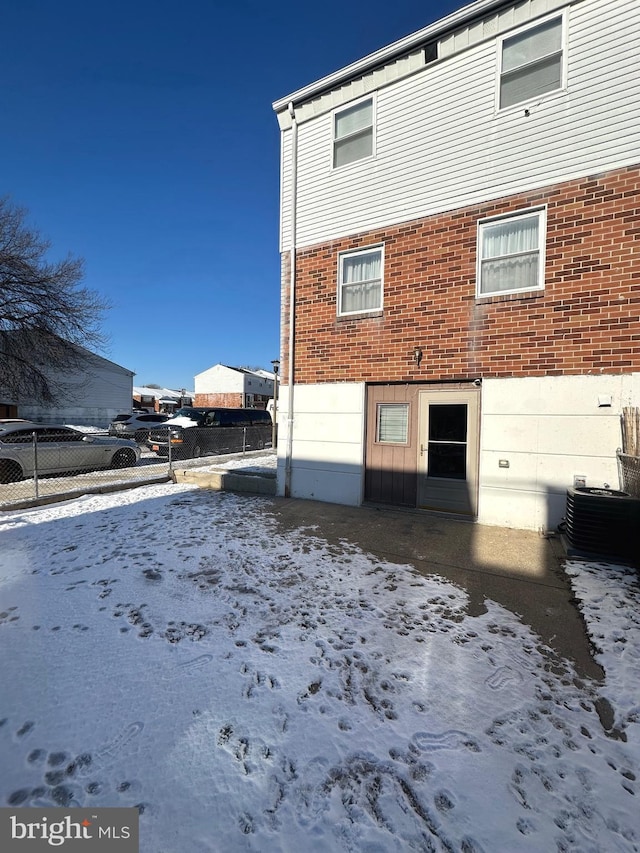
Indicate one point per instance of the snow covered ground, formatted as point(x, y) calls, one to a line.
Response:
point(256, 690)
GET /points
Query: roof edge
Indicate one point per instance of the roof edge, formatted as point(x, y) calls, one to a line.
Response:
point(385, 54)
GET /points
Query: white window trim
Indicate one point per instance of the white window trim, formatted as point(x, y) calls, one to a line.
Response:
point(529, 26)
point(377, 439)
point(349, 254)
point(374, 116)
point(541, 212)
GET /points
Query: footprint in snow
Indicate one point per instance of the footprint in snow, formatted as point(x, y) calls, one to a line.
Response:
point(257, 681)
point(503, 677)
point(451, 739)
point(193, 666)
point(108, 753)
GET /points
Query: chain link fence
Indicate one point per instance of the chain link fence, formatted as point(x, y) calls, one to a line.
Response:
point(629, 473)
point(39, 461)
point(178, 443)
point(628, 455)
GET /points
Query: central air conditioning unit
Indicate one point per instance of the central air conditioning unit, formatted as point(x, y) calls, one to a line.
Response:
point(603, 523)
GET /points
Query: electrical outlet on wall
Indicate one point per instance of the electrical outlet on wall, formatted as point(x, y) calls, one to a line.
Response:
point(579, 481)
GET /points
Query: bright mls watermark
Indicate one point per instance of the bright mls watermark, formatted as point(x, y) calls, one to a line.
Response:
point(82, 830)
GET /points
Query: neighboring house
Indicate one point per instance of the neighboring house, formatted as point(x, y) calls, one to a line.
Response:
point(7, 408)
point(460, 242)
point(161, 399)
point(93, 395)
point(233, 387)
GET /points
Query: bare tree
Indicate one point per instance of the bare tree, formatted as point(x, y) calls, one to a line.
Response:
point(47, 320)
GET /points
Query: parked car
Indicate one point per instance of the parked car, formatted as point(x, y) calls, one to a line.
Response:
point(59, 450)
point(136, 426)
point(198, 431)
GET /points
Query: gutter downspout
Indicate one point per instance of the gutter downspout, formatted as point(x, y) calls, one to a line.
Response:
point(292, 296)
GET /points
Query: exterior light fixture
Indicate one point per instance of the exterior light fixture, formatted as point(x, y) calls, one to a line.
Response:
point(417, 355)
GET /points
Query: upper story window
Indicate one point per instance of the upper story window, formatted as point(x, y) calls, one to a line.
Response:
point(353, 133)
point(360, 281)
point(531, 63)
point(511, 253)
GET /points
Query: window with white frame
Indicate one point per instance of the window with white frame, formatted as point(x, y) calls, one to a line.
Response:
point(393, 423)
point(353, 133)
point(511, 253)
point(360, 281)
point(531, 63)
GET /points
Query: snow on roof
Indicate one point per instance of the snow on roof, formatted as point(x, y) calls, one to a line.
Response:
point(262, 374)
point(246, 370)
point(161, 393)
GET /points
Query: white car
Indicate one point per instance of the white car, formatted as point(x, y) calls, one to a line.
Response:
point(58, 449)
point(136, 426)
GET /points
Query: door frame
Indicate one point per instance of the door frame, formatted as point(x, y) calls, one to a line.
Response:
point(391, 470)
point(469, 395)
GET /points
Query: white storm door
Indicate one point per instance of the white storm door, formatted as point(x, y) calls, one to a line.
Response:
point(448, 451)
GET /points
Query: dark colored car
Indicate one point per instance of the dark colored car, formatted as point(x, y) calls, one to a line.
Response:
point(59, 449)
point(202, 431)
point(137, 425)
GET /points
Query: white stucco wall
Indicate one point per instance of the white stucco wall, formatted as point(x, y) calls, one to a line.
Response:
point(548, 429)
point(328, 442)
point(221, 379)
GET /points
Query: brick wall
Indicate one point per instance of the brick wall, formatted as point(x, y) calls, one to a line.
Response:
point(225, 401)
point(285, 308)
point(587, 319)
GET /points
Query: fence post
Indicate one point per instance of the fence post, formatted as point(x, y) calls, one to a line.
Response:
point(35, 464)
point(169, 449)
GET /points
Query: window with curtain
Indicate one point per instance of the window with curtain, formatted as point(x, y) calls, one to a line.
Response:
point(353, 133)
point(531, 63)
point(393, 423)
point(360, 285)
point(510, 254)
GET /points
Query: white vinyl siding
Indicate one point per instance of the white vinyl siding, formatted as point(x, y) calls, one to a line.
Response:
point(360, 281)
point(441, 145)
point(285, 192)
point(95, 392)
point(511, 254)
point(436, 41)
point(393, 423)
point(353, 133)
point(531, 63)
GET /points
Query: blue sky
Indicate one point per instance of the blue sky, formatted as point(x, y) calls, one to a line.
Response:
point(140, 136)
